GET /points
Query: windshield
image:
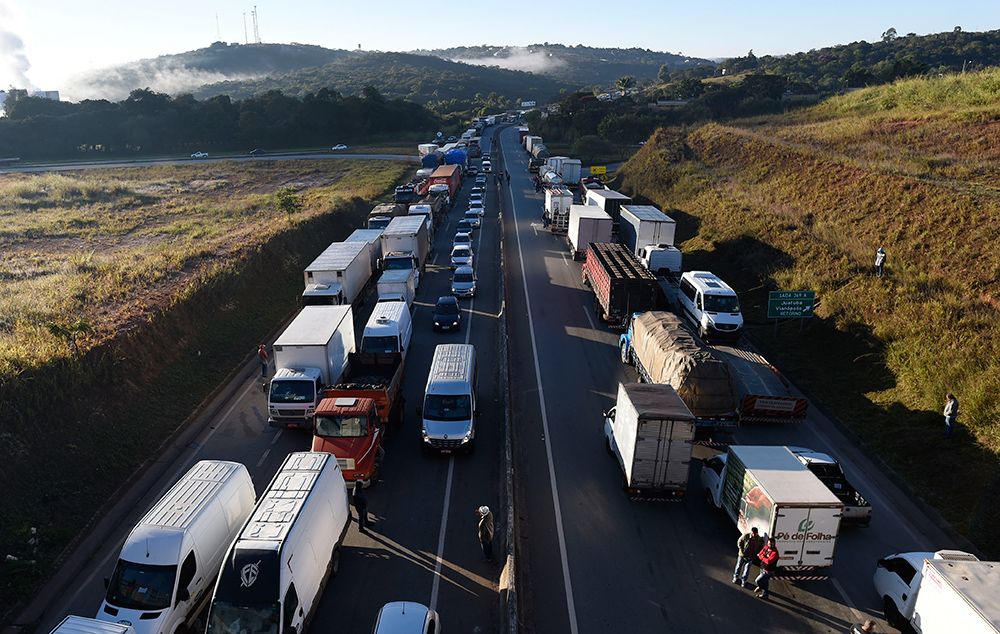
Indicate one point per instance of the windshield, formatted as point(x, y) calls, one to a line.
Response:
point(465, 225)
point(461, 253)
point(288, 391)
point(447, 308)
point(341, 426)
point(398, 264)
point(381, 223)
point(445, 408)
point(722, 304)
point(141, 586)
point(380, 344)
point(463, 239)
point(462, 277)
point(226, 618)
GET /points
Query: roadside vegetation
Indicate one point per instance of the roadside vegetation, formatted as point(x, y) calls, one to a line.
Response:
point(126, 297)
point(802, 201)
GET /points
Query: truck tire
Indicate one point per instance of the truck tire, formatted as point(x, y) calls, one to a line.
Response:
point(892, 615)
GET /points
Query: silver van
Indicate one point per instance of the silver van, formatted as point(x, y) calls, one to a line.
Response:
point(448, 412)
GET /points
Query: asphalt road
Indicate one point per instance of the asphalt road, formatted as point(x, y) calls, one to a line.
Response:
point(423, 544)
point(593, 561)
point(290, 156)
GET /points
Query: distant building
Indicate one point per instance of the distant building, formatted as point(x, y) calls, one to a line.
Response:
point(44, 94)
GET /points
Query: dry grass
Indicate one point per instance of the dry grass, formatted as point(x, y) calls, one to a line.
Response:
point(802, 202)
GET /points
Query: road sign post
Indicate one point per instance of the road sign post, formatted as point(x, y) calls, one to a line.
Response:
point(790, 305)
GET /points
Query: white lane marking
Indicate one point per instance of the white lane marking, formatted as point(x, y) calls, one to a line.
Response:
point(277, 435)
point(565, 260)
point(438, 558)
point(589, 318)
point(102, 564)
point(567, 584)
point(263, 457)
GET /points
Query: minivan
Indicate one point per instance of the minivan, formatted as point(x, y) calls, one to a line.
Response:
point(388, 329)
point(275, 572)
point(169, 561)
point(449, 409)
point(711, 305)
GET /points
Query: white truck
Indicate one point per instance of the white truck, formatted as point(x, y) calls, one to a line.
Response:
point(609, 200)
point(398, 286)
point(587, 224)
point(309, 355)
point(768, 488)
point(405, 245)
point(571, 171)
point(83, 625)
point(943, 592)
point(643, 225)
point(338, 275)
point(650, 431)
point(374, 239)
point(558, 201)
point(662, 260)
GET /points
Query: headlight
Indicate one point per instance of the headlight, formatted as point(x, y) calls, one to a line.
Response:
point(310, 411)
point(273, 411)
point(437, 323)
point(467, 437)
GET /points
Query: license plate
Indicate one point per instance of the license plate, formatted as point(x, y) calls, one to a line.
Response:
point(446, 451)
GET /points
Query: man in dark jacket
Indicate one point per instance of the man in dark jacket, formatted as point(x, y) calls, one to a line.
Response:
point(485, 529)
point(361, 506)
point(748, 545)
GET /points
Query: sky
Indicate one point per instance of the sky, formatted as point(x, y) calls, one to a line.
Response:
point(47, 42)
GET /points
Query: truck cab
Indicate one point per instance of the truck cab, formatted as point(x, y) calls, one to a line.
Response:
point(349, 428)
point(293, 394)
point(661, 259)
point(897, 581)
point(323, 294)
point(396, 261)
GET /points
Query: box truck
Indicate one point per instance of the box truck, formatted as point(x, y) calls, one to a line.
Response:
point(372, 237)
point(643, 225)
point(587, 224)
point(768, 488)
point(450, 175)
point(405, 245)
point(398, 286)
point(621, 284)
point(310, 354)
point(650, 431)
point(609, 200)
point(338, 275)
point(571, 171)
point(383, 213)
point(558, 201)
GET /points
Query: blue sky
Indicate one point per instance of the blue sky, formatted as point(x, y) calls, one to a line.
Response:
point(63, 37)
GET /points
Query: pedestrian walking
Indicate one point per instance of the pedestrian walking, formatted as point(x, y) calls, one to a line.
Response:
point(361, 506)
point(950, 414)
point(868, 627)
point(879, 262)
point(485, 529)
point(264, 358)
point(748, 545)
point(768, 557)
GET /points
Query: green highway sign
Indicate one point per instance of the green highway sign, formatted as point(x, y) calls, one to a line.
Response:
point(790, 304)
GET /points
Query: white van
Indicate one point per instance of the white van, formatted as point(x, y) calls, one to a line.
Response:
point(83, 625)
point(388, 329)
point(711, 305)
point(449, 409)
point(274, 573)
point(169, 562)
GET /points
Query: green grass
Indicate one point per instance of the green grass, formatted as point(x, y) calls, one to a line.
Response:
point(801, 202)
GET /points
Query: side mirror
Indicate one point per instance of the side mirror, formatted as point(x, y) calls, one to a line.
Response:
point(107, 583)
point(183, 595)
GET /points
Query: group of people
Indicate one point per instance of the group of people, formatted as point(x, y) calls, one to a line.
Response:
point(754, 550)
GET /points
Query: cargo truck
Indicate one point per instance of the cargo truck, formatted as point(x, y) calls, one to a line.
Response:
point(643, 225)
point(587, 224)
point(373, 375)
point(767, 488)
point(398, 286)
point(621, 285)
point(522, 132)
point(539, 151)
point(83, 625)
point(310, 354)
point(450, 175)
point(382, 214)
point(372, 237)
point(663, 350)
point(609, 200)
point(941, 592)
point(650, 431)
point(338, 275)
point(405, 245)
point(349, 428)
point(558, 201)
point(571, 171)
point(530, 141)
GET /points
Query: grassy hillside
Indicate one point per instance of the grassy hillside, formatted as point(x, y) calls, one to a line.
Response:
point(803, 201)
point(126, 296)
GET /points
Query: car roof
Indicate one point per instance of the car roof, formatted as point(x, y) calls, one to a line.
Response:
point(401, 617)
point(447, 299)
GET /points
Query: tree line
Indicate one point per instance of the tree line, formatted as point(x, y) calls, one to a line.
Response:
point(149, 122)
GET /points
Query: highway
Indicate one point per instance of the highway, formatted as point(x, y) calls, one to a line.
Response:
point(423, 544)
point(593, 561)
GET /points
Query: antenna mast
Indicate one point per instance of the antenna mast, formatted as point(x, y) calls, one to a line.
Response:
point(245, 39)
point(256, 30)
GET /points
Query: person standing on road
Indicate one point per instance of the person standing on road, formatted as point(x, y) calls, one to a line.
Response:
point(485, 529)
point(879, 262)
point(262, 355)
point(748, 545)
point(361, 506)
point(768, 557)
point(950, 414)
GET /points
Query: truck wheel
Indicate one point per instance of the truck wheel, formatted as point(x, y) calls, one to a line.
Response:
point(623, 348)
point(892, 615)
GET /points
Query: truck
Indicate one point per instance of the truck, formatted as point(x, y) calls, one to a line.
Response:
point(348, 427)
point(373, 375)
point(643, 225)
point(587, 224)
point(84, 625)
point(571, 170)
point(767, 488)
point(530, 141)
point(382, 214)
point(609, 200)
point(663, 350)
point(522, 132)
point(427, 212)
point(397, 286)
point(650, 431)
point(558, 201)
point(939, 592)
point(539, 151)
point(664, 261)
point(405, 245)
point(450, 175)
point(427, 148)
point(310, 354)
point(405, 194)
point(338, 275)
point(372, 237)
point(857, 509)
point(622, 286)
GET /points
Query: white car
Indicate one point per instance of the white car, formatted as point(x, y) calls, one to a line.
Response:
point(461, 256)
point(339, 146)
point(200, 155)
point(463, 282)
point(462, 239)
point(477, 207)
point(472, 216)
point(487, 167)
point(476, 197)
point(406, 617)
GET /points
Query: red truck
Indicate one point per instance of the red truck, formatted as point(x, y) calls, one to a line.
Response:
point(622, 285)
point(450, 175)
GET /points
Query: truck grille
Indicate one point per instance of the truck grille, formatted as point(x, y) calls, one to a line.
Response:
point(445, 444)
point(291, 413)
point(726, 326)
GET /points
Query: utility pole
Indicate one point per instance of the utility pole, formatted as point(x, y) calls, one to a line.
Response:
point(256, 29)
point(245, 40)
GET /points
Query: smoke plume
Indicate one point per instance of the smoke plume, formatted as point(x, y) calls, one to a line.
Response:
point(117, 82)
point(538, 61)
point(14, 64)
